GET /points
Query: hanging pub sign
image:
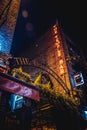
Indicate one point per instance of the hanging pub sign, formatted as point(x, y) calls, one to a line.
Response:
point(78, 79)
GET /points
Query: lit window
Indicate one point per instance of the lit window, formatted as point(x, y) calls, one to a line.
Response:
point(58, 45)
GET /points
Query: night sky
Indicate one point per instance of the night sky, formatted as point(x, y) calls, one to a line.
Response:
point(41, 14)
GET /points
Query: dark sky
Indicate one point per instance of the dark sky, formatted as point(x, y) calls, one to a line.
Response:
point(41, 14)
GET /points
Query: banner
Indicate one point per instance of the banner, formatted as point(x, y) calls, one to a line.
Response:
point(19, 88)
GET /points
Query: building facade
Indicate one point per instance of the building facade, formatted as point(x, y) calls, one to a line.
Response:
point(50, 55)
point(8, 17)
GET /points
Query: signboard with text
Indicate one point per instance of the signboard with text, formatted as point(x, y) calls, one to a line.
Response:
point(19, 88)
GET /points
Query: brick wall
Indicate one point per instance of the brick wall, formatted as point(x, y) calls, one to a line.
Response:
point(45, 52)
point(8, 12)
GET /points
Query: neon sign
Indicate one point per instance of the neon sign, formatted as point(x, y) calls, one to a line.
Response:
point(59, 51)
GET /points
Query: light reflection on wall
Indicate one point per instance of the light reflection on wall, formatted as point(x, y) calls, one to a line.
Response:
point(5, 44)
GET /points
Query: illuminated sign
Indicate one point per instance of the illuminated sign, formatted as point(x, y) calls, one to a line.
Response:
point(78, 79)
point(15, 101)
point(61, 68)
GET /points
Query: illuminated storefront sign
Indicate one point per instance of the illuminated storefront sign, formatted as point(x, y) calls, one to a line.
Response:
point(59, 51)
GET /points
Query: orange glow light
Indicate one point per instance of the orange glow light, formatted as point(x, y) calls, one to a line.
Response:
point(55, 30)
point(57, 45)
point(62, 71)
point(59, 53)
point(61, 61)
point(56, 37)
point(54, 26)
point(57, 40)
point(61, 67)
